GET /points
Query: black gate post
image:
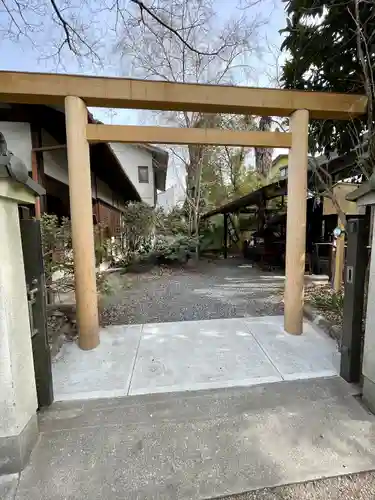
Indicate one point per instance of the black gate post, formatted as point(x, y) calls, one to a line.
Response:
point(225, 236)
point(35, 281)
point(355, 273)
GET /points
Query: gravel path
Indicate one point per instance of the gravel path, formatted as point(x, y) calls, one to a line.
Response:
point(355, 487)
point(207, 290)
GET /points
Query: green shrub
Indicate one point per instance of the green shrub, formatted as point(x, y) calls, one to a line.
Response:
point(58, 256)
point(138, 224)
point(178, 248)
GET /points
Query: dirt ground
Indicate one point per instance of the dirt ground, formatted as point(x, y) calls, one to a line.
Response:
point(204, 290)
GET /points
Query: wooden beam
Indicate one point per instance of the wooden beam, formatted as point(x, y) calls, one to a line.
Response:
point(296, 223)
point(80, 195)
point(42, 149)
point(169, 135)
point(43, 88)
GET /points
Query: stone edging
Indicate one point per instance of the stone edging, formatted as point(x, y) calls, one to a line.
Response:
point(323, 323)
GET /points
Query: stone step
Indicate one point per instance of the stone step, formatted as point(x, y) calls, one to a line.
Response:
point(193, 405)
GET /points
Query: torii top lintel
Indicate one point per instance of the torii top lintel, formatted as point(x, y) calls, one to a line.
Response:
point(45, 88)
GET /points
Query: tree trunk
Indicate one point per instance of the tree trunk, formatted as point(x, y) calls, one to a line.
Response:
point(263, 156)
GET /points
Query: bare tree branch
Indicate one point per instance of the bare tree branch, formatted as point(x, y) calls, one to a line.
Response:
point(65, 25)
point(151, 13)
point(325, 180)
point(71, 32)
point(81, 27)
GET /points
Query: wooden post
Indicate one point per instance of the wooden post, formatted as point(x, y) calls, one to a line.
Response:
point(37, 168)
point(296, 223)
point(82, 222)
point(225, 236)
point(355, 278)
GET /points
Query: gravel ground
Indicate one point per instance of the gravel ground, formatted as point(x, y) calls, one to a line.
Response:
point(326, 301)
point(355, 487)
point(206, 290)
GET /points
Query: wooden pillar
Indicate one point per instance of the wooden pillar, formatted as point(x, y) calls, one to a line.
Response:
point(225, 236)
point(37, 168)
point(82, 222)
point(296, 223)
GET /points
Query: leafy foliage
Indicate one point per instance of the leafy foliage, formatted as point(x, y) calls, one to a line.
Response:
point(138, 223)
point(153, 236)
point(58, 255)
point(227, 172)
point(173, 222)
point(177, 248)
point(323, 38)
point(211, 233)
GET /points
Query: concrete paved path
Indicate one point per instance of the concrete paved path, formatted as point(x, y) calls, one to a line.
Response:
point(199, 445)
point(192, 355)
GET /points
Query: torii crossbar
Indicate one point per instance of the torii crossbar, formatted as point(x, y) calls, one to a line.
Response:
point(76, 92)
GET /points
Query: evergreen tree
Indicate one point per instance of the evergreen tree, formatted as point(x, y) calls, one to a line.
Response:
point(330, 47)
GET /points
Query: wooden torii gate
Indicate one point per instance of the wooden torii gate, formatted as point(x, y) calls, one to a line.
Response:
point(77, 92)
